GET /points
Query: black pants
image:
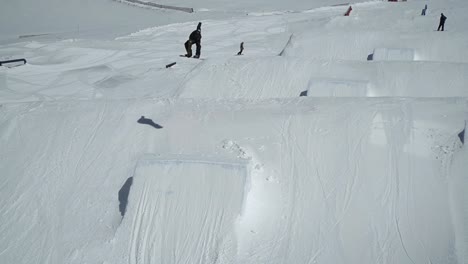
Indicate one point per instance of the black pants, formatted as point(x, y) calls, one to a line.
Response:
point(441, 25)
point(188, 48)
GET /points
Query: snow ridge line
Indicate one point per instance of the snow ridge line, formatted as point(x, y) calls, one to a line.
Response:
point(151, 4)
point(148, 161)
point(287, 45)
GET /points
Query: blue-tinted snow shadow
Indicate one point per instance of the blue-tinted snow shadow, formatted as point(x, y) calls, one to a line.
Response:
point(123, 195)
point(149, 122)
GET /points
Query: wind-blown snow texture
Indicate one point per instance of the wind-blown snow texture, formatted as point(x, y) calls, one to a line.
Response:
point(367, 168)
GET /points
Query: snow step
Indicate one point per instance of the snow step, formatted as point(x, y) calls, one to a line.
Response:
point(336, 88)
point(192, 201)
point(392, 54)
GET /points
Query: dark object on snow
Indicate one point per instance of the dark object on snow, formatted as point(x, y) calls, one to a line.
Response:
point(194, 38)
point(423, 13)
point(241, 48)
point(148, 121)
point(170, 65)
point(123, 195)
point(442, 22)
point(461, 135)
point(2, 63)
point(370, 57)
point(348, 12)
point(303, 93)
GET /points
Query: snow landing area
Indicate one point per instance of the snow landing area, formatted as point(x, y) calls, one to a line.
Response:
point(369, 167)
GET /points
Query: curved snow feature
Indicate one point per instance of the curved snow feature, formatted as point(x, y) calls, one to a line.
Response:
point(183, 211)
point(337, 88)
point(357, 45)
point(386, 54)
point(351, 204)
point(334, 181)
point(279, 77)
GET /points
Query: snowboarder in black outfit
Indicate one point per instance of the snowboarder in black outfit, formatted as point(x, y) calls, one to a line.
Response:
point(442, 22)
point(241, 48)
point(194, 38)
point(423, 13)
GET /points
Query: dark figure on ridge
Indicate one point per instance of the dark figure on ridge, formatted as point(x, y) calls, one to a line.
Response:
point(194, 38)
point(442, 22)
point(423, 13)
point(241, 48)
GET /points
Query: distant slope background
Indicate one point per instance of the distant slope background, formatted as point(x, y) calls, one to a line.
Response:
point(369, 167)
point(109, 18)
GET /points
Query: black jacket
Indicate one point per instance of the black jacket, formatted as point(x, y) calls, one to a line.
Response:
point(442, 19)
point(195, 36)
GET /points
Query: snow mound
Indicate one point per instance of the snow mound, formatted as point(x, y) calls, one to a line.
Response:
point(392, 54)
point(337, 87)
point(285, 77)
point(185, 205)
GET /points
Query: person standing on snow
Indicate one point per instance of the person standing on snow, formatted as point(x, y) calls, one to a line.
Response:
point(423, 13)
point(194, 38)
point(442, 22)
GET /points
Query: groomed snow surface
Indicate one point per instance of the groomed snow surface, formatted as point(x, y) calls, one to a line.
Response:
point(367, 166)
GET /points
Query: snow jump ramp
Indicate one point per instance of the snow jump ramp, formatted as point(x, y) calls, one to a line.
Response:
point(392, 54)
point(336, 88)
point(182, 209)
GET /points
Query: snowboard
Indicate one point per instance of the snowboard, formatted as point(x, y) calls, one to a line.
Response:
point(191, 57)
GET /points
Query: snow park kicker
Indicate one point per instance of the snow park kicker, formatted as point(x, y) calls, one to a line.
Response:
point(285, 77)
point(176, 200)
point(308, 199)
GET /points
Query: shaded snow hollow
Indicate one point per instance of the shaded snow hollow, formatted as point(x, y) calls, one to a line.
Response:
point(235, 166)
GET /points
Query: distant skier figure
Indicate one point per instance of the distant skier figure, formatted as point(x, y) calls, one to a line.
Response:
point(442, 22)
point(194, 38)
point(423, 12)
point(348, 12)
point(241, 48)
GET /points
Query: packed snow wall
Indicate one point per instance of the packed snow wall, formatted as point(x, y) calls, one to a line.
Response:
point(183, 210)
point(279, 77)
point(333, 181)
point(392, 54)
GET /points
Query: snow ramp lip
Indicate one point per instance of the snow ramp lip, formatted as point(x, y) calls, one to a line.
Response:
point(149, 159)
point(187, 204)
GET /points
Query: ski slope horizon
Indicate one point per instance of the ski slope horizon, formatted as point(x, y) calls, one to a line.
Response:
point(332, 139)
point(107, 19)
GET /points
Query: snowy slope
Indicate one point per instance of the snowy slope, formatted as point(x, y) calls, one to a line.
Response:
point(166, 193)
point(374, 198)
point(273, 77)
point(369, 167)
